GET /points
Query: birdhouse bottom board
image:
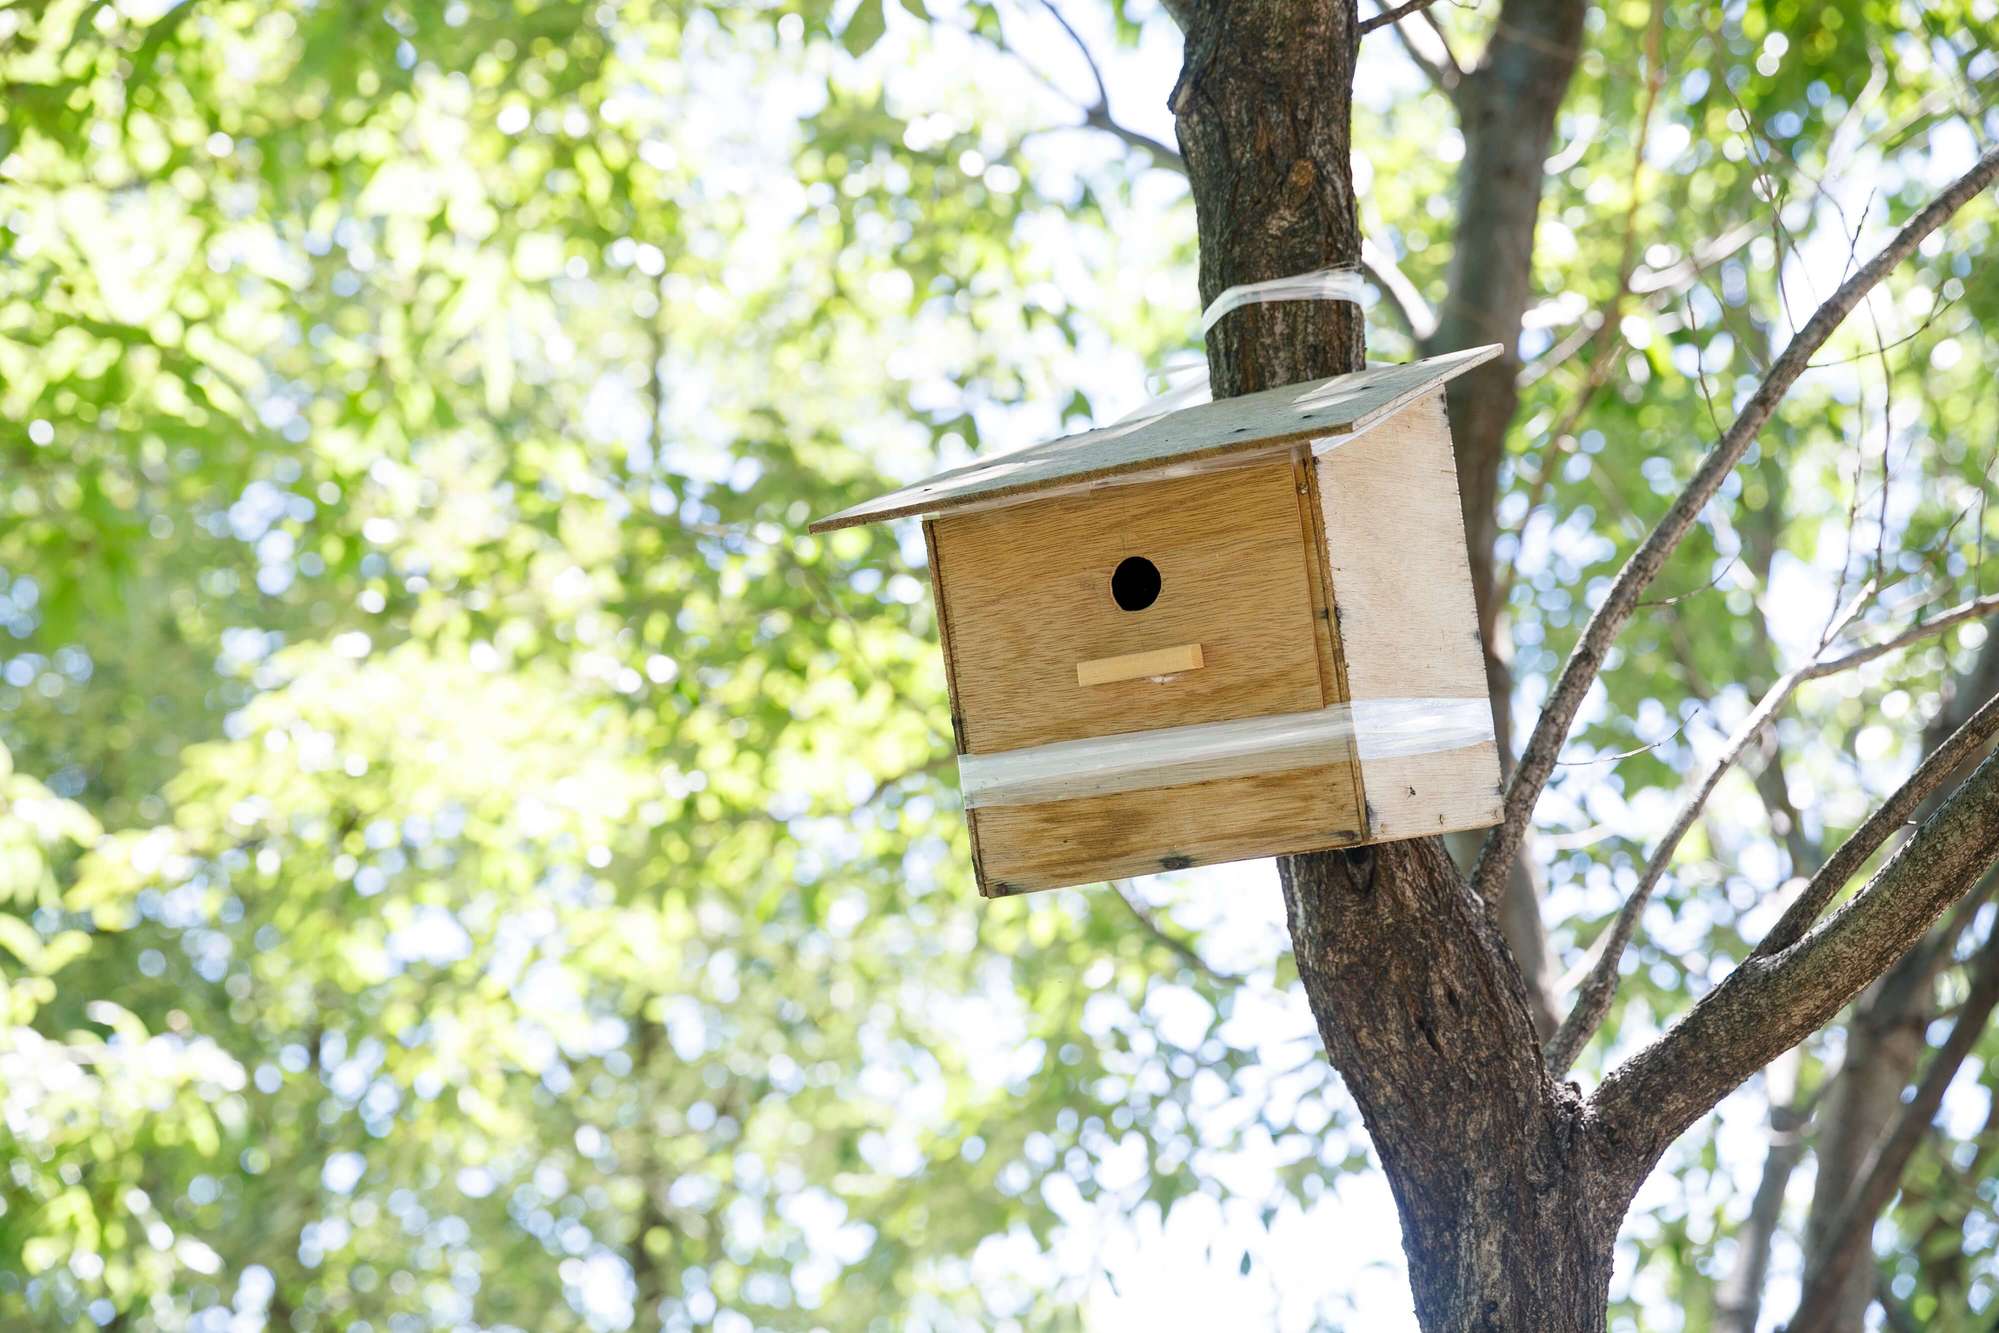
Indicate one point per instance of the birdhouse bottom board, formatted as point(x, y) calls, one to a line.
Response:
point(1266, 593)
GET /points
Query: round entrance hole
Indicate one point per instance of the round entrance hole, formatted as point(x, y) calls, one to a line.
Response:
point(1135, 583)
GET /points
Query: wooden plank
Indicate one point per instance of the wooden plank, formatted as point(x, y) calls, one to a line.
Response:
point(1332, 660)
point(1413, 796)
point(1026, 847)
point(1395, 547)
point(1029, 591)
point(1190, 437)
point(1136, 666)
point(944, 635)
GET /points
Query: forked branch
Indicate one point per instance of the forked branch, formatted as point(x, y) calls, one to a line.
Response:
point(1958, 749)
point(1537, 761)
point(1773, 1001)
point(1593, 996)
point(1599, 986)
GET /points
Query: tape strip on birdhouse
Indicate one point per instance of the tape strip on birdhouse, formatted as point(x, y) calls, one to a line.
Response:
point(1367, 729)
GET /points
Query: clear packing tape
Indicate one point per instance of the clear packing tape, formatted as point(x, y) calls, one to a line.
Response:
point(1367, 730)
point(1192, 387)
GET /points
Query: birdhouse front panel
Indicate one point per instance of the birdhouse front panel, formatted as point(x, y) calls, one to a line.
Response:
point(1241, 629)
point(1145, 605)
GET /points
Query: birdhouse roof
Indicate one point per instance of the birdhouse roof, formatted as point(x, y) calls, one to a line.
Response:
point(1253, 423)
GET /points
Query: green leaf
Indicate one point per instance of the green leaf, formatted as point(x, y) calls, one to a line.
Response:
point(22, 940)
point(865, 28)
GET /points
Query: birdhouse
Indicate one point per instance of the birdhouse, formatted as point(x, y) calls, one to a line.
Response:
point(1240, 629)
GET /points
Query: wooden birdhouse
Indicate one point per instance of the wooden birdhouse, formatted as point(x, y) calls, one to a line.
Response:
point(1236, 630)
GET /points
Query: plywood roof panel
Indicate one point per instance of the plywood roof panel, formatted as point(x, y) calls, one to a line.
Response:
point(1252, 423)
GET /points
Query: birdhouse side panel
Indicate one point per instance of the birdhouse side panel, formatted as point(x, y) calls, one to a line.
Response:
point(1159, 604)
point(1408, 624)
point(1020, 848)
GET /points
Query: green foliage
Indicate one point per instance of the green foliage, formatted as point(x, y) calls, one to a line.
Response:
point(489, 867)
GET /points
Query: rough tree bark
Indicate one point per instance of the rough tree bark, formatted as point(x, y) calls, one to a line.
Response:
point(1510, 1187)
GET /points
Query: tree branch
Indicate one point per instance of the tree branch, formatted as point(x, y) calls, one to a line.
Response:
point(1897, 1315)
point(1076, 39)
point(1163, 155)
point(1537, 761)
point(1958, 749)
point(1398, 290)
point(1846, 1239)
point(1593, 997)
point(1395, 15)
point(1771, 1002)
point(1975, 609)
point(1445, 77)
point(1186, 952)
point(1738, 1297)
point(1096, 115)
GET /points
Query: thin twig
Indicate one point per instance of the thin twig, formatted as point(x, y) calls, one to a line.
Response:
point(1395, 15)
point(1976, 608)
point(1185, 951)
point(1398, 290)
point(1096, 71)
point(1908, 337)
point(1163, 154)
point(1446, 77)
point(1709, 586)
point(1636, 751)
point(1586, 661)
point(1887, 437)
point(1096, 116)
point(1451, 61)
point(1608, 325)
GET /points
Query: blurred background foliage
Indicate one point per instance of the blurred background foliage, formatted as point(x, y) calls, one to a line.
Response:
point(467, 857)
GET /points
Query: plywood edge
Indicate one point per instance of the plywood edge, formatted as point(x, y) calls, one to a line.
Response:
point(938, 604)
point(944, 640)
point(1395, 546)
point(981, 483)
point(1325, 608)
point(1444, 791)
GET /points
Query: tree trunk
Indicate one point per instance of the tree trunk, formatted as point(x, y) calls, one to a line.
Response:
point(1509, 1206)
point(1509, 1203)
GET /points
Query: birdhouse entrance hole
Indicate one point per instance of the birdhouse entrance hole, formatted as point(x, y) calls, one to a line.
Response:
point(1135, 583)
